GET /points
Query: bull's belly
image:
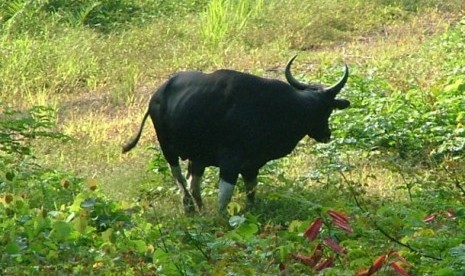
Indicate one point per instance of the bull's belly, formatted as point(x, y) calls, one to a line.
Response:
point(206, 157)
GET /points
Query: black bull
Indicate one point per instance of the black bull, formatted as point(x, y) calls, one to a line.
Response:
point(237, 122)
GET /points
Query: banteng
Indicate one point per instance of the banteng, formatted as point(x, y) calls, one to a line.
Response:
point(237, 122)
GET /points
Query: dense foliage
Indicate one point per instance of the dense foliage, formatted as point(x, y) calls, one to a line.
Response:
point(385, 196)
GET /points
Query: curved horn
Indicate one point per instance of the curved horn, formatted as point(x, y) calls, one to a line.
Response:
point(336, 88)
point(292, 81)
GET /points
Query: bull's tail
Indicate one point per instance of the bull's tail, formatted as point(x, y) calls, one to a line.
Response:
point(131, 144)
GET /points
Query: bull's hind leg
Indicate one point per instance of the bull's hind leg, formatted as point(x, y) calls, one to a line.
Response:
point(194, 175)
point(187, 201)
point(173, 159)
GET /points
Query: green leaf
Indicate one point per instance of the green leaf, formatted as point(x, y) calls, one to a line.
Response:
point(51, 245)
point(235, 221)
point(12, 248)
point(233, 208)
point(61, 230)
point(80, 223)
point(460, 213)
point(76, 206)
point(107, 235)
point(284, 252)
point(88, 203)
point(163, 260)
point(294, 226)
point(139, 245)
point(10, 175)
point(457, 86)
point(247, 230)
point(445, 272)
point(52, 255)
point(160, 256)
point(458, 253)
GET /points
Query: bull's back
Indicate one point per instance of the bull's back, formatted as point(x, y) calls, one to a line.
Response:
point(206, 114)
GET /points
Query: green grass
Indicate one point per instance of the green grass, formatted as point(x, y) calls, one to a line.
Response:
point(97, 64)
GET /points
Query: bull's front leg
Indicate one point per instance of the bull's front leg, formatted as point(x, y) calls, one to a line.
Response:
point(225, 193)
point(250, 181)
point(187, 201)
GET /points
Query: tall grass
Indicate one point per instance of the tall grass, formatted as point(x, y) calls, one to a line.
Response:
point(223, 18)
point(63, 64)
point(124, 91)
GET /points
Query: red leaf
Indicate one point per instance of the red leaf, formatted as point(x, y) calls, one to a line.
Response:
point(312, 260)
point(317, 254)
point(338, 216)
point(400, 270)
point(343, 225)
point(314, 229)
point(301, 258)
point(340, 220)
point(363, 272)
point(401, 259)
point(307, 260)
point(429, 218)
point(377, 264)
point(329, 262)
point(335, 246)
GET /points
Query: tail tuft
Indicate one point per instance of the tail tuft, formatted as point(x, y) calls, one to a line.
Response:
point(129, 146)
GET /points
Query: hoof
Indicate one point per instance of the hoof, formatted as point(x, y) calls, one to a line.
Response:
point(189, 206)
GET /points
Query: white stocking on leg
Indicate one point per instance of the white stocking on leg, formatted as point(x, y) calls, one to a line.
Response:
point(224, 195)
point(182, 184)
point(194, 188)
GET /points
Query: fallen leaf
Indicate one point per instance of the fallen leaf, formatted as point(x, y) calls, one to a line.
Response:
point(450, 213)
point(429, 218)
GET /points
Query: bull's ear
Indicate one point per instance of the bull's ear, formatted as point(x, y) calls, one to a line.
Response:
point(341, 104)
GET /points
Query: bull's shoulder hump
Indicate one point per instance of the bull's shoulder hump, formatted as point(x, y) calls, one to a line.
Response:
point(187, 75)
point(232, 73)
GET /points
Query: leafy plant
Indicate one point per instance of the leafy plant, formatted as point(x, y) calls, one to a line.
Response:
point(18, 130)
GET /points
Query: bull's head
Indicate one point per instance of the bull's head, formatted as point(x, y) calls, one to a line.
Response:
point(326, 102)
